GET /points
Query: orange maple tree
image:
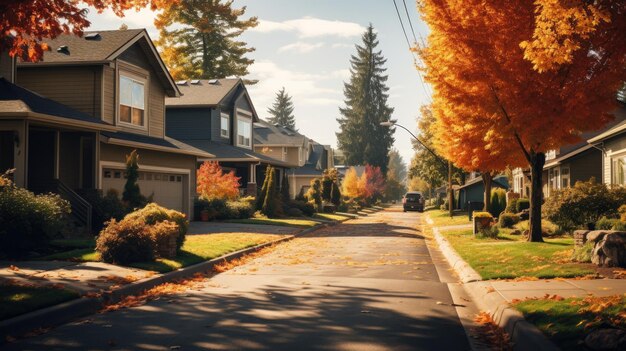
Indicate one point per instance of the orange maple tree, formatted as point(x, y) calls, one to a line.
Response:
point(24, 24)
point(497, 77)
point(350, 186)
point(213, 183)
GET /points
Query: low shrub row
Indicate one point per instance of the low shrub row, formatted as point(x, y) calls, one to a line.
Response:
point(28, 221)
point(221, 209)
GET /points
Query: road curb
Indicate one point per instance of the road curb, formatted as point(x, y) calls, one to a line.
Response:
point(71, 310)
point(524, 335)
point(466, 273)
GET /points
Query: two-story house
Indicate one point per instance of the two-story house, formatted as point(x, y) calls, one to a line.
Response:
point(217, 116)
point(104, 97)
point(307, 158)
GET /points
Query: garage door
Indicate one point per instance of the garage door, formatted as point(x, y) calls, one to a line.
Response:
point(166, 189)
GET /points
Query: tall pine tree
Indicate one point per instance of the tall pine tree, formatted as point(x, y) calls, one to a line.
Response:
point(198, 39)
point(362, 139)
point(282, 111)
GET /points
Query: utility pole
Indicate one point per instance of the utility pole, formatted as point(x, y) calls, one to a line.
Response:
point(450, 191)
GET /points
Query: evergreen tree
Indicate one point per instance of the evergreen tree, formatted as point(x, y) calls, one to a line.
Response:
point(282, 111)
point(314, 194)
point(198, 39)
point(132, 194)
point(335, 195)
point(284, 190)
point(271, 203)
point(361, 138)
point(260, 199)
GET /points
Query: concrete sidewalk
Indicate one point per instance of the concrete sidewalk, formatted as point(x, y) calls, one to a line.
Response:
point(517, 290)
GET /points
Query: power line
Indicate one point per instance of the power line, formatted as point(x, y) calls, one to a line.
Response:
point(410, 22)
point(413, 55)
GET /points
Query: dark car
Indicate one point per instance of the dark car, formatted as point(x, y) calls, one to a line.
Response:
point(413, 201)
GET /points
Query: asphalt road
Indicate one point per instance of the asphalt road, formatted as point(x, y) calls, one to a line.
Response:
point(367, 284)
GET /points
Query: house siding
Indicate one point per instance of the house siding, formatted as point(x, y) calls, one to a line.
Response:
point(613, 147)
point(156, 106)
point(108, 96)
point(78, 87)
point(188, 123)
point(586, 166)
point(217, 123)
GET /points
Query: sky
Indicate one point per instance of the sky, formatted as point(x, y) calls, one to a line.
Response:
point(305, 46)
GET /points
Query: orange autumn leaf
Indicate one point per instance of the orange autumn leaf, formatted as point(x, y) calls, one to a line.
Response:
point(25, 25)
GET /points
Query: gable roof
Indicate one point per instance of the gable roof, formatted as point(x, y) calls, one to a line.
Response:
point(15, 99)
point(108, 45)
point(497, 181)
point(268, 134)
point(204, 93)
point(229, 153)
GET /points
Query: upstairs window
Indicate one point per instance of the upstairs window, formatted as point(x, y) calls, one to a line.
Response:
point(132, 102)
point(224, 125)
point(243, 132)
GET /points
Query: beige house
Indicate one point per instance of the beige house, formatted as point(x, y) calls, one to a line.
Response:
point(307, 158)
point(68, 122)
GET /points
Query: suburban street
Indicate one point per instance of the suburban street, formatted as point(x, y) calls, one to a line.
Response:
point(367, 284)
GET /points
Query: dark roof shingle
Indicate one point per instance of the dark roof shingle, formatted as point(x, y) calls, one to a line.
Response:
point(203, 93)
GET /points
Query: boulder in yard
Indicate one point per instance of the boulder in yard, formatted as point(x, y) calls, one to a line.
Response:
point(606, 339)
point(609, 249)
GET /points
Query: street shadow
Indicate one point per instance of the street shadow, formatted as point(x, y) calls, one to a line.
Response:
point(385, 230)
point(271, 317)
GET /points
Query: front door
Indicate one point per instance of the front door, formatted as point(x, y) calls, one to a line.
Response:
point(7, 151)
point(41, 159)
point(87, 163)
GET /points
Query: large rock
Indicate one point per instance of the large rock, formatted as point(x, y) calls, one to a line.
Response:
point(609, 249)
point(597, 235)
point(606, 339)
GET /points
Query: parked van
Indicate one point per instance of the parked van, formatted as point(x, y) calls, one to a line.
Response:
point(413, 201)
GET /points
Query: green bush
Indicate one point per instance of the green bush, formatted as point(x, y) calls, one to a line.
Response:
point(477, 214)
point(153, 213)
point(240, 209)
point(619, 225)
point(605, 223)
point(583, 204)
point(104, 207)
point(511, 207)
point(583, 253)
point(521, 205)
point(314, 194)
point(165, 235)
point(489, 232)
point(126, 241)
point(498, 201)
point(507, 220)
point(305, 207)
point(28, 221)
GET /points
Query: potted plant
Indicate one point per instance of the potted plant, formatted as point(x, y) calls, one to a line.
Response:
point(204, 215)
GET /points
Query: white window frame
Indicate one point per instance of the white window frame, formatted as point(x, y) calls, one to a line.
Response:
point(614, 169)
point(140, 80)
point(239, 133)
point(222, 129)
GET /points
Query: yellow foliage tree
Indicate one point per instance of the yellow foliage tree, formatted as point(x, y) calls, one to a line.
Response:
point(353, 186)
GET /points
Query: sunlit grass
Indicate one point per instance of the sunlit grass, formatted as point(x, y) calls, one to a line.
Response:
point(510, 256)
point(442, 218)
point(286, 222)
point(331, 216)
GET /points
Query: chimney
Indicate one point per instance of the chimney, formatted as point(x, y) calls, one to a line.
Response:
point(7, 66)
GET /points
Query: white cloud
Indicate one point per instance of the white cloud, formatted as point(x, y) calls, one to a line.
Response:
point(143, 18)
point(300, 47)
point(341, 45)
point(310, 27)
point(307, 89)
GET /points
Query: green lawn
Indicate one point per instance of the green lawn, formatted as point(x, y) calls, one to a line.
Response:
point(568, 321)
point(16, 299)
point(331, 216)
point(286, 222)
point(197, 248)
point(442, 218)
point(510, 256)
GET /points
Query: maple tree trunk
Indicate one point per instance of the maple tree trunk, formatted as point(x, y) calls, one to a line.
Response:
point(487, 178)
point(537, 160)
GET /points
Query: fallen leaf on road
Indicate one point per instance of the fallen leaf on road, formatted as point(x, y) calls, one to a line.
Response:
point(13, 268)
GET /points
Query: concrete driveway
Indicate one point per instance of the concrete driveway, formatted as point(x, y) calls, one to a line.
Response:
point(367, 284)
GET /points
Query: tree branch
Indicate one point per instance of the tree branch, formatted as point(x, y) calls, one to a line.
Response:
point(508, 119)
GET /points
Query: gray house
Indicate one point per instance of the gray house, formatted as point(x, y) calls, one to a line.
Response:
point(217, 116)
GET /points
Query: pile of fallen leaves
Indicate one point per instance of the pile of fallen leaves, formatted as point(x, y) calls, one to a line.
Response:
point(489, 332)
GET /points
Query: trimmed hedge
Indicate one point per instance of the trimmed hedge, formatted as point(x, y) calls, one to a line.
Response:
point(126, 241)
point(507, 220)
